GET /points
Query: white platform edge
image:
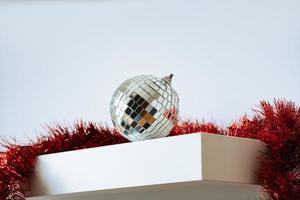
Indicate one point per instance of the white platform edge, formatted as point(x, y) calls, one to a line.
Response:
point(179, 159)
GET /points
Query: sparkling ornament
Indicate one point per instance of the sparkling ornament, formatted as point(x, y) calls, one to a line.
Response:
point(145, 107)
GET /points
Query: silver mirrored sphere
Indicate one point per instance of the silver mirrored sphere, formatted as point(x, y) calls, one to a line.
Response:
point(145, 107)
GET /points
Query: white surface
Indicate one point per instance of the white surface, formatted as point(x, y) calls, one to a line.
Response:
point(61, 60)
point(195, 158)
point(175, 191)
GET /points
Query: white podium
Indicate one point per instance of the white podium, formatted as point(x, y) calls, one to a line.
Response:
point(190, 167)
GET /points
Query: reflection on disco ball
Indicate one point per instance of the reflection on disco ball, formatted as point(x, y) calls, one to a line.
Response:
point(145, 107)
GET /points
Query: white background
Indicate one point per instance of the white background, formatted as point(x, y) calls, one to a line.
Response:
point(61, 60)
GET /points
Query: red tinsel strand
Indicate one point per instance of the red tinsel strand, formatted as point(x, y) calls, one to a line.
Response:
point(281, 131)
point(188, 127)
point(278, 125)
point(18, 165)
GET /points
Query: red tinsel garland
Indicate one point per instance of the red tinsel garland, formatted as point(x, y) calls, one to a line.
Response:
point(277, 125)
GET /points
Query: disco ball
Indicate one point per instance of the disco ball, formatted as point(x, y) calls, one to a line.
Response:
point(145, 107)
